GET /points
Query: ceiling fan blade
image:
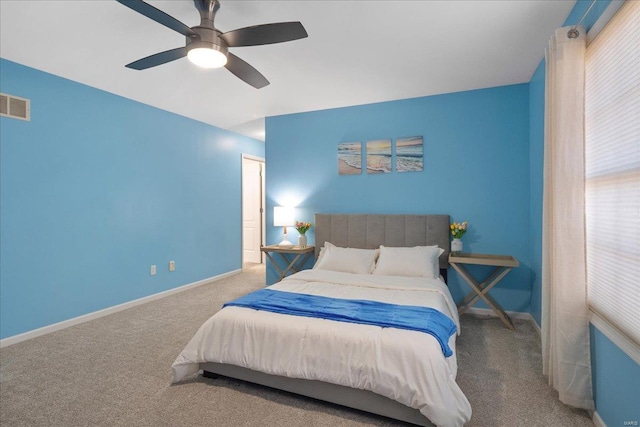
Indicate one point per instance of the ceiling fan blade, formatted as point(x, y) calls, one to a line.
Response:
point(265, 34)
point(158, 59)
point(158, 16)
point(245, 72)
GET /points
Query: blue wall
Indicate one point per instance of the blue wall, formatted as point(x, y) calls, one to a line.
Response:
point(96, 188)
point(476, 167)
point(616, 378)
point(616, 382)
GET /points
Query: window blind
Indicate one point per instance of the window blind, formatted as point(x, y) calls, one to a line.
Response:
point(612, 173)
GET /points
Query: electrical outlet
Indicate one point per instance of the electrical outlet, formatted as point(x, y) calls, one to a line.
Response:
point(172, 265)
point(153, 270)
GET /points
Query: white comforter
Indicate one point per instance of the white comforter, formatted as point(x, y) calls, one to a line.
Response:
point(406, 366)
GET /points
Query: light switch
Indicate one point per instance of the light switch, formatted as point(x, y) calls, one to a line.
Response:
point(172, 265)
point(153, 270)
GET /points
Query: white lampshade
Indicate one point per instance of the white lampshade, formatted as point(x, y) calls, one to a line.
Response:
point(283, 216)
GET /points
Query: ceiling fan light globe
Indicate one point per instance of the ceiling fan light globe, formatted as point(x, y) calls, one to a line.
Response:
point(207, 58)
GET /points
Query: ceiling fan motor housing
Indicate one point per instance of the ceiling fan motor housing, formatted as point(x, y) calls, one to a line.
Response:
point(209, 39)
point(209, 36)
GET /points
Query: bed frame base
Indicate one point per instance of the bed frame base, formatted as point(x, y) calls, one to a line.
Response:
point(362, 400)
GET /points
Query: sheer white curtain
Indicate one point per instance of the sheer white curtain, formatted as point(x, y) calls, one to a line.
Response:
point(565, 320)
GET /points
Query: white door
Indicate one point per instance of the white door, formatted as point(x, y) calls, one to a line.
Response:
point(252, 209)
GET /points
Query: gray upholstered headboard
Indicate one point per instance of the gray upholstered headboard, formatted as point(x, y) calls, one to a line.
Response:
point(369, 231)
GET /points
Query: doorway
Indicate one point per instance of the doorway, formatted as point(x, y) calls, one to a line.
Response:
point(253, 213)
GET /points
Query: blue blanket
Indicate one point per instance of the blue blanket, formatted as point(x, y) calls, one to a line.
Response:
point(414, 318)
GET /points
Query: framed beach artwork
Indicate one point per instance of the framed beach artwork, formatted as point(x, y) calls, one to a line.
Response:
point(409, 154)
point(379, 156)
point(350, 158)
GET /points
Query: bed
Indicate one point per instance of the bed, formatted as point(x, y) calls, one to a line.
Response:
point(403, 374)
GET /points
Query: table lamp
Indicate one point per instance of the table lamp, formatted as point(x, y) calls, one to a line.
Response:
point(284, 217)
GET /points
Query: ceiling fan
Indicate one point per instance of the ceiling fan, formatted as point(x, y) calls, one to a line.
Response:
point(208, 47)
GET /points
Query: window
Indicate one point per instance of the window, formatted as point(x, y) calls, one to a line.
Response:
point(612, 181)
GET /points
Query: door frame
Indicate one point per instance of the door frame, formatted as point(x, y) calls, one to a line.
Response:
point(261, 160)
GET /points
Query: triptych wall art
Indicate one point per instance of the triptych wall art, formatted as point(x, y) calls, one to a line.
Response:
point(409, 154)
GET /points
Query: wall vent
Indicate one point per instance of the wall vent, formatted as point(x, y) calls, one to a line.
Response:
point(15, 107)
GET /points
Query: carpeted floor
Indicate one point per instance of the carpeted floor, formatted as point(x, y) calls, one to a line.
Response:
point(116, 371)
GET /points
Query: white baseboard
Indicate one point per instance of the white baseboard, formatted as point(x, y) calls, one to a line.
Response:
point(513, 314)
point(491, 313)
point(109, 310)
point(597, 420)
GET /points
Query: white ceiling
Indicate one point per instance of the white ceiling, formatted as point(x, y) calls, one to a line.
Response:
point(357, 52)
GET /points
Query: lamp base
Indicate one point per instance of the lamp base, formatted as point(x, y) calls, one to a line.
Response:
point(285, 242)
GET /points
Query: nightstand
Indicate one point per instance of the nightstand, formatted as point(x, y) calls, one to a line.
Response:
point(502, 263)
point(294, 258)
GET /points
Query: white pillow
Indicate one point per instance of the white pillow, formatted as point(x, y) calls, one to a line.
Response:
point(320, 254)
point(419, 261)
point(347, 260)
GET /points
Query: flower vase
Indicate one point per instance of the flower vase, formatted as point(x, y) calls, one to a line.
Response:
point(456, 245)
point(302, 241)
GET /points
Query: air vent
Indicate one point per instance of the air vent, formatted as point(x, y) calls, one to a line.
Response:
point(15, 107)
